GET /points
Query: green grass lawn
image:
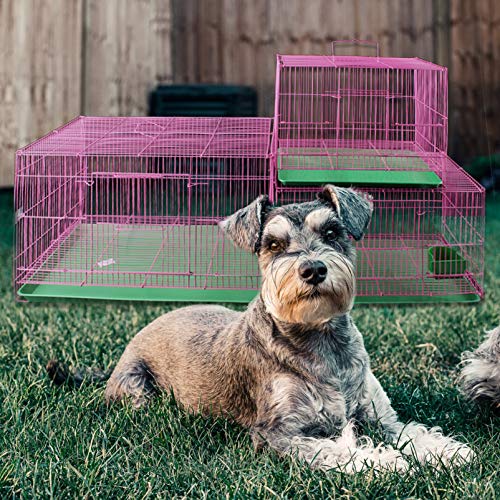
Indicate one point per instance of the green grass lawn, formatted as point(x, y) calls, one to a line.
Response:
point(66, 443)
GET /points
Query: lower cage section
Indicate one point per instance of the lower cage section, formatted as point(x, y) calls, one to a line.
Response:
point(177, 262)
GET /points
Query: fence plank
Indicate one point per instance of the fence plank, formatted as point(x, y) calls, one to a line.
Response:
point(475, 77)
point(40, 72)
point(127, 52)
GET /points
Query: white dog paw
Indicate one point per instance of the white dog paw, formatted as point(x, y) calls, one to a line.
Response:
point(380, 459)
point(431, 446)
point(347, 454)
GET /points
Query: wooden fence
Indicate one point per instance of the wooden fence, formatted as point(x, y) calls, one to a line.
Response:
point(61, 58)
point(236, 41)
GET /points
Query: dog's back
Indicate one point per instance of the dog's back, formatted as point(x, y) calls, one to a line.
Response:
point(185, 352)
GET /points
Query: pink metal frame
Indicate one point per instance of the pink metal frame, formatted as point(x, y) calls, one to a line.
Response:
point(408, 223)
point(360, 111)
point(134, 202)
point(378, 113)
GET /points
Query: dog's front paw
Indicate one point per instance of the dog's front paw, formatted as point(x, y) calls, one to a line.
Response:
point(347, 454)
point(431, 446)
point(380, 459)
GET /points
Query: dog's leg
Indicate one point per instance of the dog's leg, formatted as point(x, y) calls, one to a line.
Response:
point(427, 445)
point(131, 379)
point(290, 415)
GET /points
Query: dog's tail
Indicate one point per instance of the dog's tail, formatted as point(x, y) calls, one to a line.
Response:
point(480, 374)
point(61, 374)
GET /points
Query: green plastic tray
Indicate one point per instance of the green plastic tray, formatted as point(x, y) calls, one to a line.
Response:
point(446, 261)
point(43, 293)
point(314, 166)
point(39, 293)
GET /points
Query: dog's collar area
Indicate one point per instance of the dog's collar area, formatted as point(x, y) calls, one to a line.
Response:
point(331, 325)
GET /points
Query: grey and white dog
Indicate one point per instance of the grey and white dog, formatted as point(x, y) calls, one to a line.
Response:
point(480, 374)
point(292, 368)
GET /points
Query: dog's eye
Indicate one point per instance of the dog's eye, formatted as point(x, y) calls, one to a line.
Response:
point(275, 246)
point(329, 234)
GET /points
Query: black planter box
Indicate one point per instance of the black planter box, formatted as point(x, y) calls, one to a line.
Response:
point(203, 100)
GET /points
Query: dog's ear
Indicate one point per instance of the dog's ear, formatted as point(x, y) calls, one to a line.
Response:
point(244, 227)
point(354, 209)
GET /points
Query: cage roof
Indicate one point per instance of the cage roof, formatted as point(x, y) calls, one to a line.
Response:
point(157, 136)
point(322, 61)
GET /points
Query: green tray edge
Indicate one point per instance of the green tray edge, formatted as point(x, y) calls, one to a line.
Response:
point(46, 292)
point(419, 299)
point(358, 177)
point(42, 293)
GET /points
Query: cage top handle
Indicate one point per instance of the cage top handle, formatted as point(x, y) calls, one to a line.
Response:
point(355, 41)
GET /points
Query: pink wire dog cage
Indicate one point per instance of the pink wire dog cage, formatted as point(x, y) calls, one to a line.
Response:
point(371, 120)
point(127, 208)
point(381, 124)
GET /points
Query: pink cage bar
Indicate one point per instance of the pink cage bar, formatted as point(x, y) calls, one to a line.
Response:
point(360, 120)
point(127, 208)
point(380, 123)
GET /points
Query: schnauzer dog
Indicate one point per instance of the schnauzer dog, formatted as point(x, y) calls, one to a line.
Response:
point(292, 368)
point(480, 375)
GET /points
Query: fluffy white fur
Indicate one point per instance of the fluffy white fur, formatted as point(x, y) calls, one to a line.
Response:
point(348, 454)
point(480, 376)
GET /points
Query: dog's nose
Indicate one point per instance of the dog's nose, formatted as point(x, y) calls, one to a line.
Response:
point(313, 271)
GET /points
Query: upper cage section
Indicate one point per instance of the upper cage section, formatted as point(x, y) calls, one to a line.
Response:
point(356, 112)
point(157, 137)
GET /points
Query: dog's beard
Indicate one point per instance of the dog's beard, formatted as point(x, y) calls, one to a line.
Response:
point(289, 299)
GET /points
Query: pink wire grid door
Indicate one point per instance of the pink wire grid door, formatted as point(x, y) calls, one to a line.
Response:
point(127, 208)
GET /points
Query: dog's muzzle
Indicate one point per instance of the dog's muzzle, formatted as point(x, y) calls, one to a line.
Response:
point(313, 272)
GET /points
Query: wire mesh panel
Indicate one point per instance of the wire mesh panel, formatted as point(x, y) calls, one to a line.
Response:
point(360, 118)
point(133, 203)
point(422, 243)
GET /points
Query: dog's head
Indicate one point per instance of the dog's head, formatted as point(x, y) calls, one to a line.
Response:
point(305, 252)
